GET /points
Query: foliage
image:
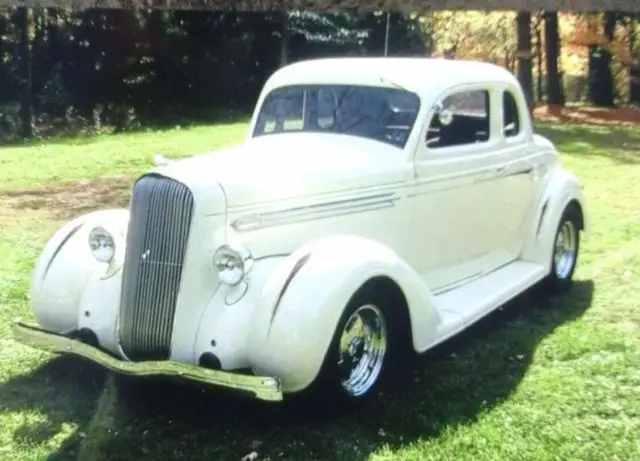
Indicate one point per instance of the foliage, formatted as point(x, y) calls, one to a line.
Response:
point(580, 33)
point(489, 36)
point(124, 68)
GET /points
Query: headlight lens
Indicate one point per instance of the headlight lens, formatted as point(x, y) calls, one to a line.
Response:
point(102, 245)
point(232, 263)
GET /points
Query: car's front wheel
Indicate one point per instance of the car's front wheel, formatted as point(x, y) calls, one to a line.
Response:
point(565, 250)
point(361, 349)
point(366, 349)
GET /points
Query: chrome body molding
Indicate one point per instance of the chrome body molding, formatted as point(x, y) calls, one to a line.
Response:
point(322, 210)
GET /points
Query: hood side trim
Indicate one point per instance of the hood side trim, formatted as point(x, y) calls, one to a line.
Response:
point(322, 210)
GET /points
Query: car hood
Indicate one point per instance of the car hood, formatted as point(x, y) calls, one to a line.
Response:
point(285, 166)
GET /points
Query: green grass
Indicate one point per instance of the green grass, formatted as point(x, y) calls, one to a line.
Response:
point(541, 379)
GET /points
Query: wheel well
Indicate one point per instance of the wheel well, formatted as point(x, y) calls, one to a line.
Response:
point(575, 204)
point(389, 291)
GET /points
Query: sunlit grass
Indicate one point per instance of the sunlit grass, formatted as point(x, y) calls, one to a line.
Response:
point(40, 164)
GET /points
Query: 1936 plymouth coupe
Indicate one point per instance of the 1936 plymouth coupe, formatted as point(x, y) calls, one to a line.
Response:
point(378, 206)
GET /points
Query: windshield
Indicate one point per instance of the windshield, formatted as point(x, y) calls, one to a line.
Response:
point(383, 114)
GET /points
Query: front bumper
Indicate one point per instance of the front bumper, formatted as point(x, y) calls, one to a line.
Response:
point(262, 387)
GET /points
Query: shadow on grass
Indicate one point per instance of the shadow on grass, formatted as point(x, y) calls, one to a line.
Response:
point(448, 387)
point(616, 143)
point(64, 391)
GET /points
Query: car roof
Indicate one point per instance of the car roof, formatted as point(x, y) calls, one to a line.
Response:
point(420, 75)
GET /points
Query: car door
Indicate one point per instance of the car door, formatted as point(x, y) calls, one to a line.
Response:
point(455, 235)
point(518, 177)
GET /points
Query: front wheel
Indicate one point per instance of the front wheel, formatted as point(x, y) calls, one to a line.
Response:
point(361, 350)
point(369, 340)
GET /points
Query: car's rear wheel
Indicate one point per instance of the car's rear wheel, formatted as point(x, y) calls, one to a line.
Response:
point(565, 250)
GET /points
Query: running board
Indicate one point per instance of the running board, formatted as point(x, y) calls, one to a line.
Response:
point(465, 305)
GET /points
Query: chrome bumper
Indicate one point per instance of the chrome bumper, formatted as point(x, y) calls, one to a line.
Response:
point(262, 387)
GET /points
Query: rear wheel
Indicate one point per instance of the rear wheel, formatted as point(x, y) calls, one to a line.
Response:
point(565, 250)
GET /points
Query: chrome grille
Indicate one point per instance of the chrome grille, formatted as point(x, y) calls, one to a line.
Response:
point(160, 218)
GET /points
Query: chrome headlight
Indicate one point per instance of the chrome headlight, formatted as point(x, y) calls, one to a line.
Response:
point(232, 263)
point(102, 244)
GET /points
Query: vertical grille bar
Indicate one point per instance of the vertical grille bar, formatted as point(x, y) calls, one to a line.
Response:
point(160, 219)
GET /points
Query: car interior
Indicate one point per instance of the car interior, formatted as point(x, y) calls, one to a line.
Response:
point(469, 121)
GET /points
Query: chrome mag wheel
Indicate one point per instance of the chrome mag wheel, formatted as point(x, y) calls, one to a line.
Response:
point(362, 348)
point(565, 251)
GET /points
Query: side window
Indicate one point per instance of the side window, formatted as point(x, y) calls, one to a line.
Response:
point(283, 112)
point(510, 115)
point(327, 106)
point(463, 119)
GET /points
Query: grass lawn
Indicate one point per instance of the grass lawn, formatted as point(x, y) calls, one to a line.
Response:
point(541, 379)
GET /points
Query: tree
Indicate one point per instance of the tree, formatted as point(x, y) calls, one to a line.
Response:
point(406, 34)
point(488, 36)
point(284, 38)
point(555, 92)
point(525, 65)
point(600, 79)
point(634, 69)
point(26, 103)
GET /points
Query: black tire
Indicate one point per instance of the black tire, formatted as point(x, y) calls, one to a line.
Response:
point(329, 389)
point(560, 277)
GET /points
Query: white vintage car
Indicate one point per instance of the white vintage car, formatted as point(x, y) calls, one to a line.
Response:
point(377, 207)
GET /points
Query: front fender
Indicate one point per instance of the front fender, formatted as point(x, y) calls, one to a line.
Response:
point(66, 266)
point(561, 188)
point(302, 301)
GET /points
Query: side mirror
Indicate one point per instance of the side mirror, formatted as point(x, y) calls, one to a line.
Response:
point(445, 116)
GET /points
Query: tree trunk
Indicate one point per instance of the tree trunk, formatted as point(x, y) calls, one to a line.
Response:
point(539, 76)
point(555, 92)
point(525, 67)
point(600, 80)
point(284, 39)
point(53, 34)
point(634, 69)
point(26, 111)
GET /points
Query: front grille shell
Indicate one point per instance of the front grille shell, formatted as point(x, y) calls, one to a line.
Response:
point(161, 212)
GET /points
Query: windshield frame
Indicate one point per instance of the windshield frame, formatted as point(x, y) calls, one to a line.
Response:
point(387, 93)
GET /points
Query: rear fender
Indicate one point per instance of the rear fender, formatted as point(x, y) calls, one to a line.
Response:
point(301, 303)
point(561, 189)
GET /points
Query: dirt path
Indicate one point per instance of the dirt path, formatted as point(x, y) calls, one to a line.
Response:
point(40, 207)
point(623, 116)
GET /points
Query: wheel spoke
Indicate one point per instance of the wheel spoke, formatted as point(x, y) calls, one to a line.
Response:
point(362, 350)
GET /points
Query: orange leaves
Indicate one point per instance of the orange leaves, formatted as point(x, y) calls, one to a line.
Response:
point(589, 32)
